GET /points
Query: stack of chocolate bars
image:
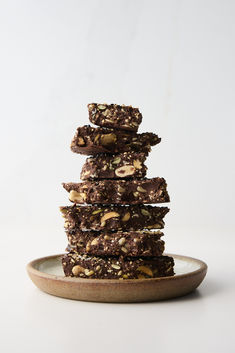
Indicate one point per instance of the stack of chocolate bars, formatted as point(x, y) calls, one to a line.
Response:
point(113, 232)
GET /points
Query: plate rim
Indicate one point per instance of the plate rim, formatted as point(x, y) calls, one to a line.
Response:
point(30, 267)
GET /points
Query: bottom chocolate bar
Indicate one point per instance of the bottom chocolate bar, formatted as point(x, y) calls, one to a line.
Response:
point(85, 266)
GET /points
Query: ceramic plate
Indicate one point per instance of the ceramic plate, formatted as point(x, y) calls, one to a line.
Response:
point(47, 274)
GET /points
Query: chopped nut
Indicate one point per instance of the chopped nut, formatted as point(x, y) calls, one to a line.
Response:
point(116, 267)
point(107, 237)
point(75, 196)
point(156, 226)
point(116, 160)
point(94, 241)
point(119, 273)
point(101, 106)
point(80, 141)
point(88, 246)
point(124, 171)
point(141, 276)
point(140, 189)
point(89, 272)
point(145, 270)
point(96, 138)
point(109, 215)
point(63, 211)
point(108, 139)
point(121, 189)
point(126, 217)
point(124, 249)
point(66, 224)
point(136, 194)
point(90, 107)
point(137, 164)
point(144, 212)
point(98, 268)
point(77, 269)
point(86, 173)
point(107, 113)
point(96, 211)
point(122, 241)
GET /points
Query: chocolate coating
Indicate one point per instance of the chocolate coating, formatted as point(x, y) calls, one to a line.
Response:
point(133, 243)
point(115, 116)
point(122, 192)
point(85, 266)
point(114, 217)
point(105, 166)
point(91, 141)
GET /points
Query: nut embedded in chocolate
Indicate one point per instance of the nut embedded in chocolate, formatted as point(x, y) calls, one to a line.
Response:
point(112, 239)
point(124, 165)
point(117, 267)
point(91, 141)
point(115, 116)
point(133, 243)
point(113, 217)
point(139, 191)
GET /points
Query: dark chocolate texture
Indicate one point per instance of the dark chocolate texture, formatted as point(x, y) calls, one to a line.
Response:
point(114, 217)
point(106, 166)
point(132, 192)
point(85, 266)
point(91, 141)
point(115, 116)
point(133, 243)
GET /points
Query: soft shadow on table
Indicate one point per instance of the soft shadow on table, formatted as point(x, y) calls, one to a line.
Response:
point(196, 294)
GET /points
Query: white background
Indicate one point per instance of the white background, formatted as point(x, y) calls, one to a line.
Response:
point(175, 60)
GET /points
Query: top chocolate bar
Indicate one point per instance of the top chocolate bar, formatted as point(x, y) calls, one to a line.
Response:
point(115, 116)
point(91, 141)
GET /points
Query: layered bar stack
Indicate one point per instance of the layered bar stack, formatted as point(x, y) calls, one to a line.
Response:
point(112, 231)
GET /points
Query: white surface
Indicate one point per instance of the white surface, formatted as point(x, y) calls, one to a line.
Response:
point(173, 59)
point(202, 321)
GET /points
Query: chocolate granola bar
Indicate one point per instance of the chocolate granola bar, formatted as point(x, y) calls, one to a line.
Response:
point(91, 141)
point(133, 243)
point(114, 217)
point(132, 192)
point(115, 116)
point(85, 266)
point(106, 166)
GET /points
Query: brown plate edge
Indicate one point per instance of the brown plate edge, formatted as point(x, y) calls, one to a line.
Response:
point(116, 291)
